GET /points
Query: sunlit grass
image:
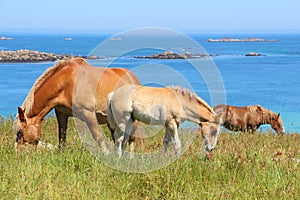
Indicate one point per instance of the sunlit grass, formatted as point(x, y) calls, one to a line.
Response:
point(256, 166)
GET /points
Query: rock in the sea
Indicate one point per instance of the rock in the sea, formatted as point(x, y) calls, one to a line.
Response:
point(253, 54)
point(172, 55)
point(25, 55)
point(6, 38)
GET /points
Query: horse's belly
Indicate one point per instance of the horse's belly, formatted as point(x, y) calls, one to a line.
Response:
point(155, 116)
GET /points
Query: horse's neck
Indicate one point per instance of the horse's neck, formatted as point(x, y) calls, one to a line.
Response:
point(194, 111)
point(266, 117)
point(45, 98)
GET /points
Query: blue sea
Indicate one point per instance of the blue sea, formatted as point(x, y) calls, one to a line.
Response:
point(272, 81)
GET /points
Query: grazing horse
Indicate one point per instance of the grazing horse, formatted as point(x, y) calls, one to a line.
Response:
point(160, 106)
point(249, 118)
point(72, 87)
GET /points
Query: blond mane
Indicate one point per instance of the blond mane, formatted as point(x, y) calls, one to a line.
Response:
point(29, 101)
point(191, 95)
point(254, 108)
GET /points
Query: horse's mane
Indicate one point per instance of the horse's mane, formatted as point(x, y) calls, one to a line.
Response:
point(254, 108)
point(29, 101)
point(191, 95)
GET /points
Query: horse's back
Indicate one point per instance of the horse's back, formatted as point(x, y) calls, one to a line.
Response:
point(158, 96)
point(126, 75)
point(155, 105)
point(92, 84)
point(147, 104)
point(222, 108)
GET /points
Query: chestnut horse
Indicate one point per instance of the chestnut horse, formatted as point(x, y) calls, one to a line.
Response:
point(160, 106)
point(249, 118)
point(72, 88)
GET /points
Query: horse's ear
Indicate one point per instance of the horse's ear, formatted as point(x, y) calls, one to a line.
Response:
point(278, 115)
point(21, 115)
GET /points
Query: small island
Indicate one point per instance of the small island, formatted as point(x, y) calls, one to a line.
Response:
point(254, 54)
point(6, 38)
point(32, 56)
point(250, 39)
point(172, 55)
point(188, 55)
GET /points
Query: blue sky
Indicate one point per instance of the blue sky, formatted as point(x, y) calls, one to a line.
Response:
point(184, 15)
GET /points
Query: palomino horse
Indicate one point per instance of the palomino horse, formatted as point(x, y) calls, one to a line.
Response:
point(160, 106)
point(249, 118)
point(71, 87)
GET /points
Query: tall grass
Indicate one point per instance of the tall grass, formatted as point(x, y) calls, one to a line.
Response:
point(257, 166)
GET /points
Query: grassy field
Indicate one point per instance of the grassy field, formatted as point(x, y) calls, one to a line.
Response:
point(257, 166)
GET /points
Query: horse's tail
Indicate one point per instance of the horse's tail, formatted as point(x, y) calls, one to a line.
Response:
point(110, 116)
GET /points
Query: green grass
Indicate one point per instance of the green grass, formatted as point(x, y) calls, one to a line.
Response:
point(256, 166)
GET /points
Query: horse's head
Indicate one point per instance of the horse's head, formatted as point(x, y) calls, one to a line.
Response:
point(28, 132)
point(210, 132)
point(277, 124)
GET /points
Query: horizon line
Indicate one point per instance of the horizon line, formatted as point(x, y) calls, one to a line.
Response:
point(115, 31)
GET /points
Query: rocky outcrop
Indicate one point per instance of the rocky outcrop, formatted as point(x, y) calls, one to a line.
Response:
point(30, 56)
point(188, 55)
point(254, 54)
point(250, 39)
point(6, 38)
point(172, 55)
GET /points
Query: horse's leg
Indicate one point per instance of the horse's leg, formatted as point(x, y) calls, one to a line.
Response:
point(92, 122)
point(62, 127)
point(177, 143)
point(118, 138)
point(127, 135)
point(172, 128)
point(137, 135)
point(133, 139)
point(112, 132)
point(167, 139)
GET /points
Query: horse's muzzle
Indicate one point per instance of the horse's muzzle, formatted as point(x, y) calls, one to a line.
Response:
point(208, 148)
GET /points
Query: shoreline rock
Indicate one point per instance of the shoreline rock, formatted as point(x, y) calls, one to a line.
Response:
point(32, 56)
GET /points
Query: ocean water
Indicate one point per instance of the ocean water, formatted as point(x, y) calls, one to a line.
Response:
point(272, 81)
